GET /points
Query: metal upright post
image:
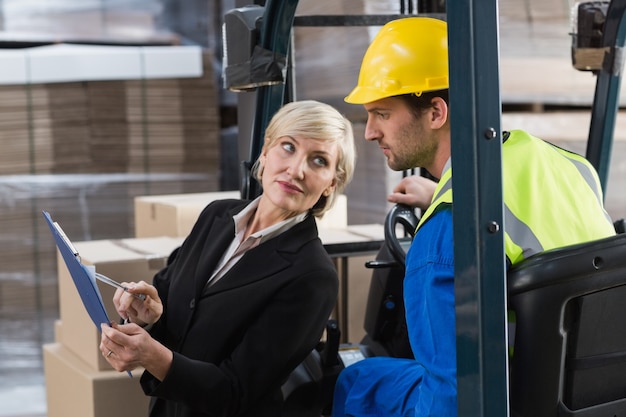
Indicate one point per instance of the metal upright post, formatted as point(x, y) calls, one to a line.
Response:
point(275, 36)
point(480, 286)
point(607, 93)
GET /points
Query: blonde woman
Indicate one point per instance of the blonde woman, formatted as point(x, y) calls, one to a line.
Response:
point(248, 294)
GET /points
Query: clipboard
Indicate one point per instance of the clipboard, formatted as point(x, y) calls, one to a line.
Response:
point(84, 277)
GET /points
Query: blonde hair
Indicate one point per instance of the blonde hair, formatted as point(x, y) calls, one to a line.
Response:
point(312, 119)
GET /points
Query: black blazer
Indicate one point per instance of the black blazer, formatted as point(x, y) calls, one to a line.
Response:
point(236, 342)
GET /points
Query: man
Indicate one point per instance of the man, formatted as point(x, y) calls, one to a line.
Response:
point(552, 198)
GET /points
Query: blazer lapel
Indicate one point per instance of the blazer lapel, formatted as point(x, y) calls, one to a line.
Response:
point(268, 258)
point(218, 238)
point(253, 266)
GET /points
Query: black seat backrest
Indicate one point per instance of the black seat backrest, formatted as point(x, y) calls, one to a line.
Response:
point(569, 355)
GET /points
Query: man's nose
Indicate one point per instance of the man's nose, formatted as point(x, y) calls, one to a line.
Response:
point(371, 132)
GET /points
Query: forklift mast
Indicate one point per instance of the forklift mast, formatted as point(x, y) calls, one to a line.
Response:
point(612, 34)
point(476, 134)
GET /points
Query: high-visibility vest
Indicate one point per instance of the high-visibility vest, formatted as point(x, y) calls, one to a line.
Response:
point(552, 197)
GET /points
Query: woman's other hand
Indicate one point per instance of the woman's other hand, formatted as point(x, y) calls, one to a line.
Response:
point(135, 310)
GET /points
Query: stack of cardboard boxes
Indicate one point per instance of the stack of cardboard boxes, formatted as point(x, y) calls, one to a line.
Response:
point(79, 381)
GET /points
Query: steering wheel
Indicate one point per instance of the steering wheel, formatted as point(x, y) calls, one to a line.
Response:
point(404, 215)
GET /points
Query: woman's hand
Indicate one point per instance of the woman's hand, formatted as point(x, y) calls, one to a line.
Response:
point(131, 308)
point(128, 346)
point(413, 191)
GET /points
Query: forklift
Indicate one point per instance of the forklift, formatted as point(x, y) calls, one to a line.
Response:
point(569, 354)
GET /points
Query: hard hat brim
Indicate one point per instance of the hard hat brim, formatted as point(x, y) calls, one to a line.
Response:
point(364, 95)
point(360, 95)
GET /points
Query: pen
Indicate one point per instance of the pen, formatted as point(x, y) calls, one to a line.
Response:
point(116, 284)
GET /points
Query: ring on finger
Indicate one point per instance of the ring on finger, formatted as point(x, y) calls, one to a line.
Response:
point(109, 354)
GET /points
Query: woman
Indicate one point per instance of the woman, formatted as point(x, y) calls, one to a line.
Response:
point(248, 294)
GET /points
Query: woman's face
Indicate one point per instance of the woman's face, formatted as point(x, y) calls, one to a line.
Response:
point(297, 171)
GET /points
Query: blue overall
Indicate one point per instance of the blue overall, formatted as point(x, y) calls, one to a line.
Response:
point(426, 386)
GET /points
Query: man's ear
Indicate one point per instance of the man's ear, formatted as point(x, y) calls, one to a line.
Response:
point(439, 113)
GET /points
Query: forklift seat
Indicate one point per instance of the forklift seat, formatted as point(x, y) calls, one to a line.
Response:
point(569, 354)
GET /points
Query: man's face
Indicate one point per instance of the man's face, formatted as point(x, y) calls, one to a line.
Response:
point(406, 140)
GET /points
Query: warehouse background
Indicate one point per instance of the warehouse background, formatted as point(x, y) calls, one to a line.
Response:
point(84, 150)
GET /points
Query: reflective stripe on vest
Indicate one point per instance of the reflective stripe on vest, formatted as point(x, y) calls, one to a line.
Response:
point(552, 197)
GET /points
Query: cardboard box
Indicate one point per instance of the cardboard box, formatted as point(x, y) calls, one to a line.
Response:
point(174, 215)
point(359, 279)
point(58, 326)
point(336, 217)
point(125, 260)
point(74, 389)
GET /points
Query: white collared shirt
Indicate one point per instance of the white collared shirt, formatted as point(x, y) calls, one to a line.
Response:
point(238, 248)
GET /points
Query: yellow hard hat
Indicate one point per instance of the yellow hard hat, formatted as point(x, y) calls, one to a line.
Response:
point(408, 55)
